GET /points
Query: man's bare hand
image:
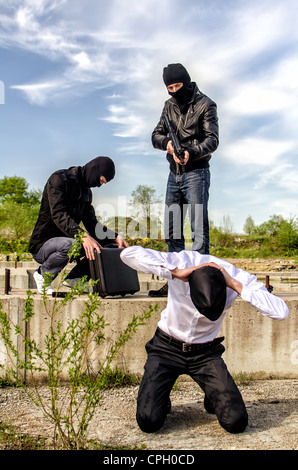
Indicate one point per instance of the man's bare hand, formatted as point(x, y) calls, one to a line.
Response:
point(121, 242)
point(230, 281)
point(170, 150)
point(183, 275)
point(186, 158)
point(89, 245)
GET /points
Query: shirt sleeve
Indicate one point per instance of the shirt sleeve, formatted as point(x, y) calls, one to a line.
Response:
point(209, 132)
point(58, 207)
point(269, 304)
point(255, 292)
point(159, 135)
point(148, 261)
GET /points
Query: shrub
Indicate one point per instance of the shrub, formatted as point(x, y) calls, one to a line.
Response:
point(66, 348)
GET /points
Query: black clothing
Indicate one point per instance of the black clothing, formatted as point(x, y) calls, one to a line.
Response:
point(176, 73)
point(166, 362)
point(196, 128)
point(183, 96)
point(102, 166)
point(208, 291)
point(66, 202)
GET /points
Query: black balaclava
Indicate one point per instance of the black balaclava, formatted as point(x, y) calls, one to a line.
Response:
point(177, 73)
point(99, 166)
point(208, 291)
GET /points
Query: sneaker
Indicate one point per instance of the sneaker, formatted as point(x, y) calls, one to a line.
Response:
point(162, 292)
point(39, 281)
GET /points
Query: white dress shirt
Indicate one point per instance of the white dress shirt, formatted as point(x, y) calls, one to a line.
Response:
point(180, 318)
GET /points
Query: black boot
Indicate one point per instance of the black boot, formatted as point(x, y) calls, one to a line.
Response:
point(162, 292)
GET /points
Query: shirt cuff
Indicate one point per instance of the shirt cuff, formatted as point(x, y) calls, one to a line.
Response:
point(165, 272)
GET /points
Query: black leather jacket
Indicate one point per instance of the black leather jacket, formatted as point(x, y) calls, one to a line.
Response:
point(65, 203)
point(197, 130)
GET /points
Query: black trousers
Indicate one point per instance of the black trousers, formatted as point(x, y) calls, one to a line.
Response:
point(165, 362)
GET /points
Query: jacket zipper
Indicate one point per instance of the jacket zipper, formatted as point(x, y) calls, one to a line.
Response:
point(179, 122)
point(177, 164)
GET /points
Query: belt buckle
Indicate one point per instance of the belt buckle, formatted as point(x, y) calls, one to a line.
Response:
point(186, 347)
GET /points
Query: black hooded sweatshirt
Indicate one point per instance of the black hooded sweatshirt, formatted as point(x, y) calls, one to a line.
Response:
point(67, 202)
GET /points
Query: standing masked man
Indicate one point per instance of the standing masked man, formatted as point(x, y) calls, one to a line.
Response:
point(193, 117)
point(65, 204)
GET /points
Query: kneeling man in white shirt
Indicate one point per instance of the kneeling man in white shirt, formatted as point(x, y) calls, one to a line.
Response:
point(201, 288)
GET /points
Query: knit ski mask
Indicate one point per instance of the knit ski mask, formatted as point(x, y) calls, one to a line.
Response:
point(177, 73)
point(208, 291)
point(100, 166)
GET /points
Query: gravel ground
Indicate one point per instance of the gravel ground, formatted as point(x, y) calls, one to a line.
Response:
point(272, 407)
point(271, 404)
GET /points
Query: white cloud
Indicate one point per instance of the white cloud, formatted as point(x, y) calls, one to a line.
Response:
point(82, 60)
point(287, 179)
point(129, 124)
point(24, 19)
point(39, 93)
point(242, 54)
point(277, 175)
point(256, 98)
point(285, 206)
point(256, 152)
point(130, 45)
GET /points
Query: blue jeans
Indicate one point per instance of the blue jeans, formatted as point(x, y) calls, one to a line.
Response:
point(187, 192)
point(53, 257)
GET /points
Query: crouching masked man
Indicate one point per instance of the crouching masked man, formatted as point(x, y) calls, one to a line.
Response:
point(201, 290)
point(66, 203)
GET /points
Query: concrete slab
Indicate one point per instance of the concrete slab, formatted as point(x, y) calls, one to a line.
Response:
point(253, 342)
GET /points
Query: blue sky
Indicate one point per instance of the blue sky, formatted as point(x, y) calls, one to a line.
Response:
point(82, 79)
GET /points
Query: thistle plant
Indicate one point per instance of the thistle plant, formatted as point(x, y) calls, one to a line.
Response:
point(67, 349)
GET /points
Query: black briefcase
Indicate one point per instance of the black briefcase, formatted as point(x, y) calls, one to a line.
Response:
point(112, 275)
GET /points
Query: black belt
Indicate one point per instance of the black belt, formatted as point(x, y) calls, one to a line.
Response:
point(187, 347)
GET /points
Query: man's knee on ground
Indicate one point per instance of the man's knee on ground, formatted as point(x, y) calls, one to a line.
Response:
point(149, 423)
point(235, 424)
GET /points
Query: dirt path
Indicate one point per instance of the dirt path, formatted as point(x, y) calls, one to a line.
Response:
point(272, 407)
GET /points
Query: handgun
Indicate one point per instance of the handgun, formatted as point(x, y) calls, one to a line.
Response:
point(178, 150)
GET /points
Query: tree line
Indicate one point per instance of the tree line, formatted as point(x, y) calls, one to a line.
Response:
point(275, 237)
